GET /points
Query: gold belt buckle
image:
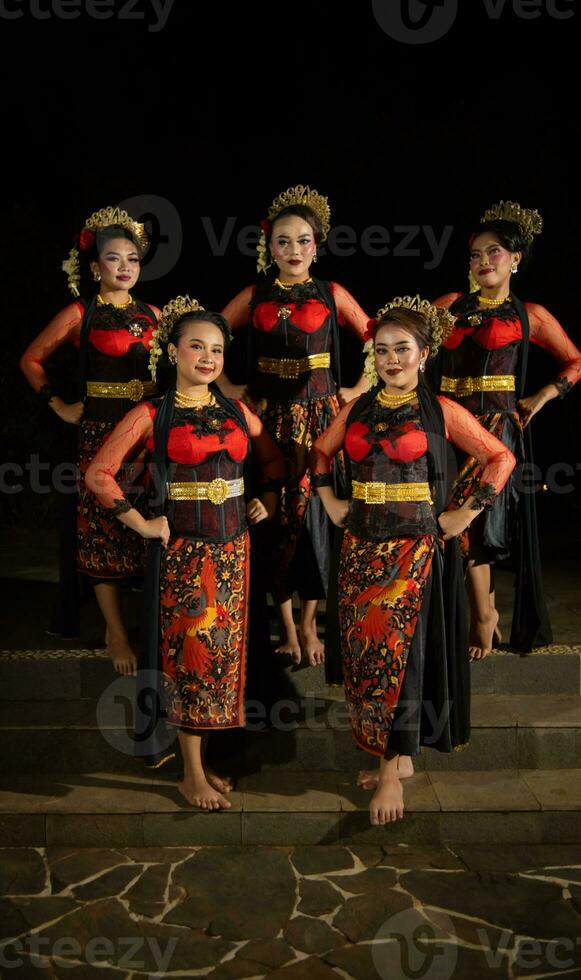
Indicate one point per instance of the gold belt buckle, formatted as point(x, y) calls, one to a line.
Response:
point(135, 390)
point(218, 491)
point(289, 368)
point(465, 386)
point(374, 493)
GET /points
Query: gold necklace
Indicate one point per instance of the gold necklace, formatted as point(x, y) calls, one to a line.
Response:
point(121, 306)
point(388, 400)
point(291, 285)
point(193, 401)
point(484, 301)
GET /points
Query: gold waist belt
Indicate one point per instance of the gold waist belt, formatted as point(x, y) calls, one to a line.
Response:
point(291, 367)
point(463, 387)
point(216, 492)
point(134, 390)
point(381, 493)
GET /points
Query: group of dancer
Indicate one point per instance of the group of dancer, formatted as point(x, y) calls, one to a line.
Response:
point(405, 478)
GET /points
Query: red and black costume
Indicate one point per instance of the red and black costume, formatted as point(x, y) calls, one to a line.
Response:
point(482, 364)
point(293, 375)
point(196, 623)
point(114, 348)
point(402, 604)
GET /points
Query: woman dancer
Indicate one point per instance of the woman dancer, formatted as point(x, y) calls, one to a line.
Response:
point(401, 594)
point(483, 365)
point(197, 617)
point(294, 382)
point(113, 332)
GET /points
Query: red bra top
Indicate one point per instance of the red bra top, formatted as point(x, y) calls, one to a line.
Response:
point(116, 343)
point(408, 444)
point(190, 448)
point(491, 334)
point(308, 317)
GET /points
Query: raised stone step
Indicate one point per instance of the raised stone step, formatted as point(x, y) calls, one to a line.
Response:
point(85, 673)
point(105, 809)
point(305, 733)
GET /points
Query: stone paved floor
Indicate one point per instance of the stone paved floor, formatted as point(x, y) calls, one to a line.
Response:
point(362, 912)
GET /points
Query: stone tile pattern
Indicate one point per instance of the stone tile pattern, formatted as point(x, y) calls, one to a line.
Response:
point(366, 911)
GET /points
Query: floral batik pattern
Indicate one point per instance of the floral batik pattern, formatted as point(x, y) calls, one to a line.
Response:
point(294, 427)
point(381, 585)
point(106, 548)
point(468, 481)
point(204, 588)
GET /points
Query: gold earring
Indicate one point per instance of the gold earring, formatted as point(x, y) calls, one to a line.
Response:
point(514, 268)
point(173, 358)
point(315, 257)
point(97, 276)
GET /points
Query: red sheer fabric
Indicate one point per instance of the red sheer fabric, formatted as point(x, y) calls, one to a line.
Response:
point(132, 438)
point(237, 310)
point(64, 328)
point(349, 313)
point(127, 441)
point(462, 430)
point(545, 331)
point(329, 443)
point(466, 433)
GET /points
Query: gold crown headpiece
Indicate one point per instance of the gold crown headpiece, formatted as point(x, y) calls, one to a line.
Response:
point(300, 194)
point(440, 321)
point(171, 312)
point(100, 219)
point(530, 222)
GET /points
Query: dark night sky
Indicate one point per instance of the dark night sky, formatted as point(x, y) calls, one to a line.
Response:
point(226, 106)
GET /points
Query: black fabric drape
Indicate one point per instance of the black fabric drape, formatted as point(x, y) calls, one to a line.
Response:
point(153, 739)
point(530, 619)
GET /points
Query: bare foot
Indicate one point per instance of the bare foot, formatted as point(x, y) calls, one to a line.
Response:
point(497, 635)
point(481, 634)
point(312, 645)
point(222, 783)
point(123, 657)
point(198, 792)
point(387, 802)
point(369, 778)
point(291, 646)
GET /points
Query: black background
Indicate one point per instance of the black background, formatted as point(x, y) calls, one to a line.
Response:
point(228, 105)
